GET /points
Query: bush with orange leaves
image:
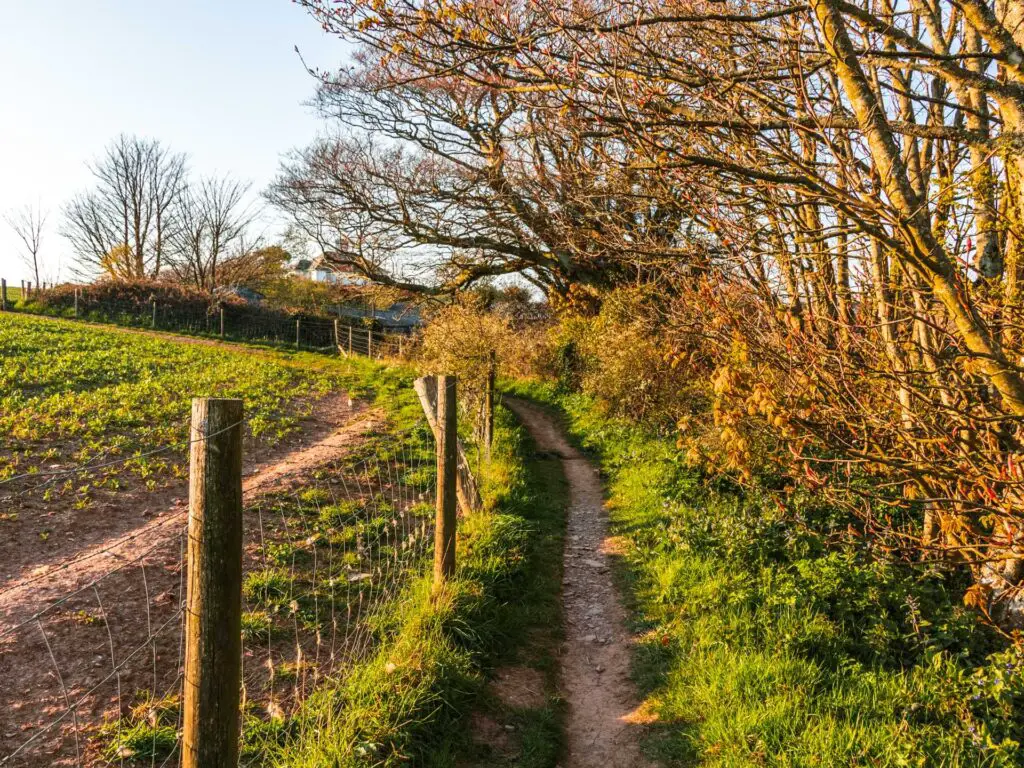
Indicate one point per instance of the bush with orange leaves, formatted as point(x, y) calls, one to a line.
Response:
point(619, 356)
point(461, 338)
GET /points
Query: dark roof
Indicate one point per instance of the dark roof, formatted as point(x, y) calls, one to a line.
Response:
point(398, 315)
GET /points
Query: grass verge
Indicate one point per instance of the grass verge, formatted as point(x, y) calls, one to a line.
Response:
point(409, 701)
point(770, 637)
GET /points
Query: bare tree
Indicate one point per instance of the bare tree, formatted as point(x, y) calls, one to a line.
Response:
point(847, 171)
point(211, 221)
point(138, 183)
point(28, 224)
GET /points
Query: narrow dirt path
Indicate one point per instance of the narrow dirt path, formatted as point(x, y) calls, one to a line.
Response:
point(602, 730)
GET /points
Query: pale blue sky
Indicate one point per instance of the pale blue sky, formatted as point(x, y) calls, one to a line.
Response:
point(216, 79)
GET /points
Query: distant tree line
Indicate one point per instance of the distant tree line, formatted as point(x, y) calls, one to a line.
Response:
point(147, 217)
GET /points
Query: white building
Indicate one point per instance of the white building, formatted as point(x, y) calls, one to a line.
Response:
point(320, 271)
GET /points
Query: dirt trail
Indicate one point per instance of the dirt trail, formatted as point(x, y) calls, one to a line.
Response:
point(121, 533)
point(602, 728)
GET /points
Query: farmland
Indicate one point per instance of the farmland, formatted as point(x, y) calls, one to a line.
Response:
point(338, 526)
point(93, 466)
point(71, 393)
point(91, 416)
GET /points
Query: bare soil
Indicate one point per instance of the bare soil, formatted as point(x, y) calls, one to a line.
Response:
point(603, 726)
point(95, 620)
point(520, 687)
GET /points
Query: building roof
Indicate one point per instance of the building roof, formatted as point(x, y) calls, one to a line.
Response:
point(398, 315)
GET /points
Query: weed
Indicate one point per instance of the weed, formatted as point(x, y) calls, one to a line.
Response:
point(257, 625)
point(267, 587)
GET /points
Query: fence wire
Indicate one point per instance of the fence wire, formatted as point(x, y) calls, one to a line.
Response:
point(233, 323)
point(92, 649)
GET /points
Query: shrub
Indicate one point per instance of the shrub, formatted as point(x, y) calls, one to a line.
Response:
point(618, 356)
point(460, 340)
point(185, 308)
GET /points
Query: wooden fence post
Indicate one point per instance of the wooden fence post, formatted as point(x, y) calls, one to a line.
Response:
point(369, 343)
point(444, 532)
point(337, 335)
point(76, 301)
point(492, 368)
point(222, 322)
point(3, 295)
point(213, 618)
point(154, 313)
point(350, 341)
point(466, 490)
point(297, 331)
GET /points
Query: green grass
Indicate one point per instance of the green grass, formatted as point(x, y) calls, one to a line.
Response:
point(147, 735)
point(408, 700)
point(407, 703)
point(770, 638)
point(73, 393)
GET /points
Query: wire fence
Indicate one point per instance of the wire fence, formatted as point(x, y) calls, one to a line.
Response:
point(226, 321)
point(92, 648)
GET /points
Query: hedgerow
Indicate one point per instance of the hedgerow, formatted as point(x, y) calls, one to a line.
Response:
point(772, 635)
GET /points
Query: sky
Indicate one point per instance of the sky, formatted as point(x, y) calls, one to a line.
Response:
point(218, 80)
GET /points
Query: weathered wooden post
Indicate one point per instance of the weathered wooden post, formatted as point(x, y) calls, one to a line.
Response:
point(444, 532)
point(337, 336)
point(350, 341)
point(369, 343)
point(154, 312)
point(76, 301)
point(297, 331)
point(3, 295)
point(492, 369)
point(466, 492)
point(222, 322)
point(213, 619)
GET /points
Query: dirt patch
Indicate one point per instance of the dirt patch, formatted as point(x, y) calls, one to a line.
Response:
point(519, 687)
point(602, 729)
point(491, 734)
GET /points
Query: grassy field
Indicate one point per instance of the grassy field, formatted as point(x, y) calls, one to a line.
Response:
point(409, 702)
point(73, 394)
point(769, 645)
